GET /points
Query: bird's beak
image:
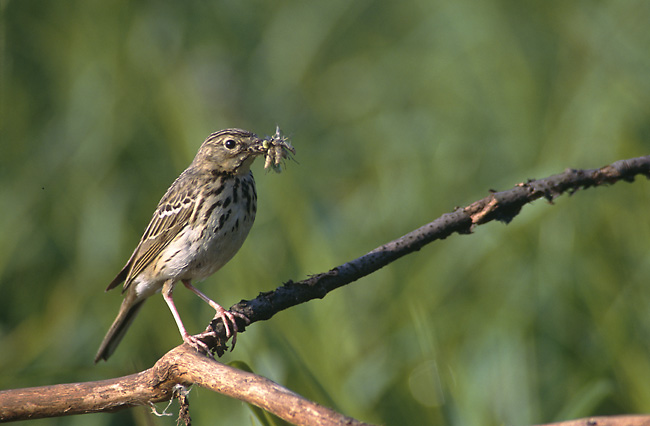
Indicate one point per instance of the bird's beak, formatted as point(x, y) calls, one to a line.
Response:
point(258, 146)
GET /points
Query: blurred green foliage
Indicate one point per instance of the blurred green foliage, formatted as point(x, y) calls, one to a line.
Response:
point(399, 111)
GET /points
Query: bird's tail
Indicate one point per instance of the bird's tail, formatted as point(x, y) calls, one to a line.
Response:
point(128, 311)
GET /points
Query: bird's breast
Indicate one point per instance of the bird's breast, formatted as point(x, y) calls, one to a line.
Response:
point(220, 226)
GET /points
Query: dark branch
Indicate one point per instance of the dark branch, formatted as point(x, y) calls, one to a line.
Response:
point(502, 206)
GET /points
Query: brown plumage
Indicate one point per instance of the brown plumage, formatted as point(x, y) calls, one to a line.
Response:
point(198, 226)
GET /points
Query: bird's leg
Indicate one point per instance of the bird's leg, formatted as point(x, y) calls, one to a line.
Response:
point(226, 316)
point(167, 290)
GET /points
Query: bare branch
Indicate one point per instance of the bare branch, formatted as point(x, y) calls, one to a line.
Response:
point(606, 421)
point(181, 366)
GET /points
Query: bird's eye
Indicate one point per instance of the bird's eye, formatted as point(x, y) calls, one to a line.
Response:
point(230, 143)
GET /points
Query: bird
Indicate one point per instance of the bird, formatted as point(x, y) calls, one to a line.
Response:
point(198, 226)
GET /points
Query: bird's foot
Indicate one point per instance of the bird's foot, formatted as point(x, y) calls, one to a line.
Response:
point(229, 323)
point(196, 343)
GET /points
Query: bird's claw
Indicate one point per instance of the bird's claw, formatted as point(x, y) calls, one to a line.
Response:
point(195, 342)
point(228, 318)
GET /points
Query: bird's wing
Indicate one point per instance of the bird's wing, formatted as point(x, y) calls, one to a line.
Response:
point(171, 216)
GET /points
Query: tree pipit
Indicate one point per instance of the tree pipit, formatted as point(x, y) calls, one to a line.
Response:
point(198, 226)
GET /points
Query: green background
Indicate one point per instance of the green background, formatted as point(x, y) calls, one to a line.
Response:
point(399, 111)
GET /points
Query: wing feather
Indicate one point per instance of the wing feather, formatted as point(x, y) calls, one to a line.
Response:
point(170, 218)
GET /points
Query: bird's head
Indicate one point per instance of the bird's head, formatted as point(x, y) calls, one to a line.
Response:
point(229, 151)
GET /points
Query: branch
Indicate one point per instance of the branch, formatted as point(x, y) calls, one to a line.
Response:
point(606, 421)
point(179, 368)
point(501, 206)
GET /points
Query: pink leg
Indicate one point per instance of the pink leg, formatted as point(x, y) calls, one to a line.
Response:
point(227, 317)
point(167, 290)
